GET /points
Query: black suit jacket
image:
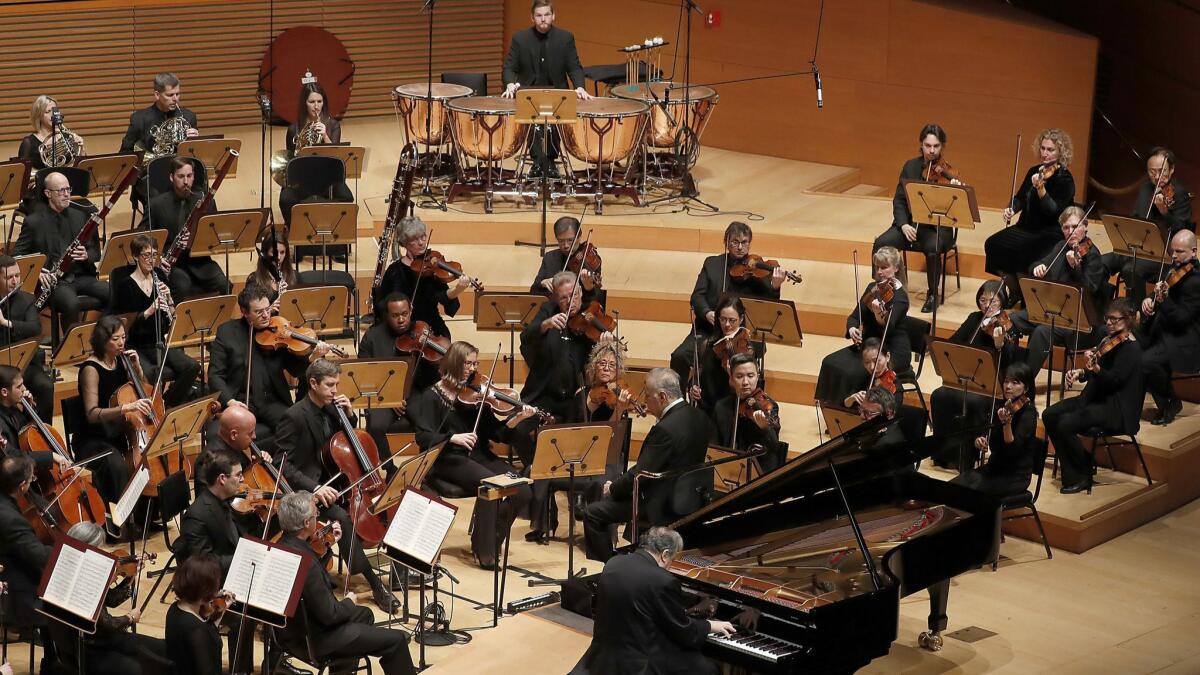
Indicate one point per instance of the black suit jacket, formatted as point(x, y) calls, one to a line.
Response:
point(24, 558)
point(302, 435)
point(1178, 217)
point(164, 214)
point(555, 365)
point(680, 439)
point(1176, 324)
point(270, 395)
point(714, 281)
point(913, 169)
point(142, 123)
point(26, 322)
point(208, 526)
point(748, 433)
point(641, 622)
point(332, 623)
point(1119, 387)
point(48, 232)
point(523, 64)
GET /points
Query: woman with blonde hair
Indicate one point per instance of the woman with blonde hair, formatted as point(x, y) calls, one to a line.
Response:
point(41, 116)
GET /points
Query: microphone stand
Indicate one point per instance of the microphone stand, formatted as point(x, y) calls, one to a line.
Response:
point(264, 105)
point(432, 201)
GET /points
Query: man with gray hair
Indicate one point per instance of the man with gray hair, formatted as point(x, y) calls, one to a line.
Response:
point(678, 440)
point(338, 629)
point(426, 293)
point(142, 123)
point(641, 623)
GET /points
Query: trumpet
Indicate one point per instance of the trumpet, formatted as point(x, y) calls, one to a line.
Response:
point(60, 149)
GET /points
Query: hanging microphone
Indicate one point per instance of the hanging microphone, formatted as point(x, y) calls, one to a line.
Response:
point(817, 81)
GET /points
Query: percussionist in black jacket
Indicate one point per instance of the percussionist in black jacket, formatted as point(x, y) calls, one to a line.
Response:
point(642, 625)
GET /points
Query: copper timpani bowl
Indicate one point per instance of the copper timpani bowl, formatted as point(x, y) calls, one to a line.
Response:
point(661, 131)
point(411, 102)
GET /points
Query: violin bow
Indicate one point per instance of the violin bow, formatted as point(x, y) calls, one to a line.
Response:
point(249, 358)
point(1016, 167)
point(857, 290)
point(274, 493)
point(1082, 221)
point(483, 390)
point(575, 239)
point(737, 404)
point(565, 334)
point(695, 353)
point(1158, 188)
point(428, 248)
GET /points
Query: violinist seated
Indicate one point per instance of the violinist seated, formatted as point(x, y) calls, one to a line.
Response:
point(440, 415)
point(19, 321)
point(22, 555)
point(880, 313)
point(710, 377)
point(304, 434)
point(1171, 326)
point(713, 281)
point(1163, 200)
point(876, 371)
point(740, 418)
point(1111, 400)
point(338, 629)
point(568, 256)
point(1074, 260)
point(51, 229)
point(13, 419)
point(382, 341)
point(556, 353)
point(170, 211)
point(1047, 189)
point(191, 625)
point(1010, 447)
point(679, 439)
point(985, 328)
point(270, 393)
point(431, 288)
point(142, 292)
point(115, 648)
point(928, 239)
point(314, 126)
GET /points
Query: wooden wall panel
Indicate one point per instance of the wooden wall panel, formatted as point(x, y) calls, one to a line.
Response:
point(985, 71)
point(105, 69)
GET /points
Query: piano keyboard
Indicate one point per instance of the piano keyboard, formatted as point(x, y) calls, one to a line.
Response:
point(762, 646)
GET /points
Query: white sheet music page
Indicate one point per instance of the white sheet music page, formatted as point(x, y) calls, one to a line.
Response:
point(130, 497)
point(78, 581)
point(420, 526)
point(272, 572)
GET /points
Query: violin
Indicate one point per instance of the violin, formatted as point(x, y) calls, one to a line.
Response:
point(73, 491)
point(883, 291)
point(610, 395)
point(128, 565)
point(1179, 273)
point(1081, 249)
point(212, 609)
point(940, 171)
point(1047, 171)
point(352, 452)
point(503, 401)
point(1106, 345)
point(592, 322)
point(140, 428)
point(254, 501)
point(280, 334)
point(1001, 319)
point(433, 264)
point(1168, 195)
point(731, 345)
point(420, 340)
point(585, 258)
point(264, 478)
point(1014, 405)
point(754, 267)
point(758, 400)
point(887, 380)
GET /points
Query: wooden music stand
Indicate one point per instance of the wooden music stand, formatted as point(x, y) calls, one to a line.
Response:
point(14, 183)
point(209, 152)
point(942, 206)
point(838, 419)
point(1058, 304)
point(311, 306)
point(20, 354)
point(116, 250)
point(196, 323)
point(1137, 239)
point(731, 475)
point(30, 265)
point(410, 473)
point(573, 451)
point(544, 108)
point(107, 171)
point(772, 321)
point(374, 383)
point(325, 224)
point(179, 425)
point(507, 312)
point(971, 370)
point(229, 232)
point(76, 347)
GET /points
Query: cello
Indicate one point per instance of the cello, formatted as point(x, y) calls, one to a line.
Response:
point(140, 428)
point(353, 453)
point(66, 487)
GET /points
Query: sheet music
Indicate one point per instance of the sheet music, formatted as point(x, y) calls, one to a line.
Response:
point(79, 580)
point(420, 526)
point(130, 497)
point(274, 573)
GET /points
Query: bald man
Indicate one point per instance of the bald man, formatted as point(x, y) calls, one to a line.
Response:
point(50, 229)
point(1171, 323)
point(235, 430)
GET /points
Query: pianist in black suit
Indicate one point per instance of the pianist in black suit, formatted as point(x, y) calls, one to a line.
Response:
point(642, 625)
point(679, 439)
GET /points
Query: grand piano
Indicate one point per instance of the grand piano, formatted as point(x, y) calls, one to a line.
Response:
point(822, 550)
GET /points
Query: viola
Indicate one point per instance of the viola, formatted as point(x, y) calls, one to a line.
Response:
point(592, 322)
point(76, 496)
point(433, 264)
point(731, 345)
point(610, 395)
point(280, 334)
point(420, 339)
point(1168, 195)
point(758, 400)
point(501, 400)
point(754, 267)
point(940, 171)
point(140, 428)
point(1107, 345)
point(254, 501)
point(352, 452)
point(1179, 273)
point(1014, 405)
point(1081, 249)
point(212, 609)
point(1003, 320)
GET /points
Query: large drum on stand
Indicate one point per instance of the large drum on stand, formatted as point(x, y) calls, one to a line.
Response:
point(485, 133)
point(603, 137)
point(668, 143)
point(421, 111)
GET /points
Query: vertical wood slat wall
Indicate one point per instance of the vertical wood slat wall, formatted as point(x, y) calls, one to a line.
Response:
point(98, 58)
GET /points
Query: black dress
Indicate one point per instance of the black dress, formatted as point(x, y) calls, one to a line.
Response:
point(1014, 249)
point(291, 195)
point(145, 335)
point(112, 473)
point(194, 645)
point(30, 150)
point(1011, 465)
point(842, 370)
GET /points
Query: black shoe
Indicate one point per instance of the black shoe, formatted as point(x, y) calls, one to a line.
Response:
point(928, 306)
point(1079, 486)
point(534, 172)
point(1168, 415)
point(385, 601)
point(285, 667)
point(538, 537)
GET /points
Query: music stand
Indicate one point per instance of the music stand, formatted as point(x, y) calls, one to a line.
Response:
point(279, 563)
point(325, 224)
point(116, 250)
point(196, 323)
point(544, 108)
point(731, 475)
point(311, 307)
point(508, 312)
point(31, 265)
point(229, 232)
point(410, 473)
point(75, 347)
point(210, 151)
point(941, 206)
point(105, 172)
point(971, 370)
point(838, 418)
point(14, 182)
point(179, 424)
point(20, 354)
point(375, 383)
point(353, 157)
point(1136, 238)
point(74, 595)
point(772, 321)
point(574, 451)
point(1055, 304)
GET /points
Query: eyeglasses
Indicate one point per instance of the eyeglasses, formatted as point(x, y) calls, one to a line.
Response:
point(61, 191)
point(148, 255)
point(1115, 317)
point(606, 365)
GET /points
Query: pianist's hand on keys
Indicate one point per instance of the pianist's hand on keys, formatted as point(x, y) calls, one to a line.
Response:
point(723, 628)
